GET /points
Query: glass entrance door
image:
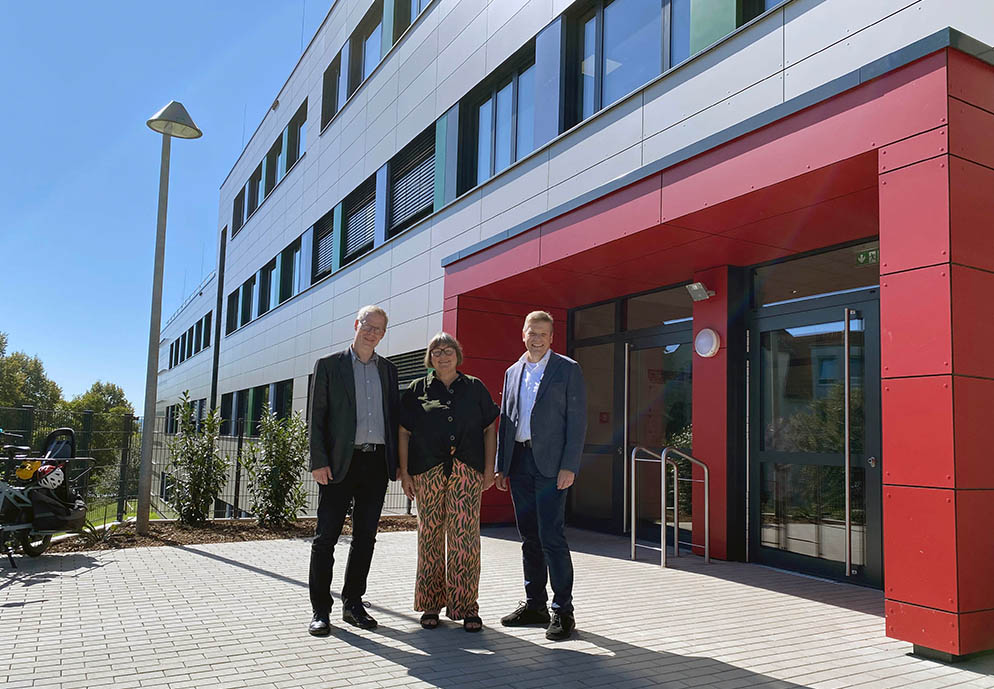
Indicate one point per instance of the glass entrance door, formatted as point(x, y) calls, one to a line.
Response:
point(659, 414)
point(815, 480)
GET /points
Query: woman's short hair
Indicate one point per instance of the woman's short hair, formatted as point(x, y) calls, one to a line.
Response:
point(443, 339)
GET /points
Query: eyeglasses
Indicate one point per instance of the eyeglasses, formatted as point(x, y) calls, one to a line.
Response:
point(443, 351)
point(375, 329)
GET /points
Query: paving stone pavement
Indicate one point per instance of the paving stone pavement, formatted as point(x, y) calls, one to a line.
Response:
point(235, 615)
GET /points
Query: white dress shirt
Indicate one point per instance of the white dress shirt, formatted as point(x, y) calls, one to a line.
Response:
point(531, 378)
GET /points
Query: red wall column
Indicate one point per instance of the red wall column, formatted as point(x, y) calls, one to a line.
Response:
point(719, 413)
point(937, 335)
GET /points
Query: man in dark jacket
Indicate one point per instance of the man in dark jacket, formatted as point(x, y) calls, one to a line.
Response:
point(354, 416)
point(543, 423)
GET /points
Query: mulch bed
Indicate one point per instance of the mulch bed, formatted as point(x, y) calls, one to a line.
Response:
point(163, 533)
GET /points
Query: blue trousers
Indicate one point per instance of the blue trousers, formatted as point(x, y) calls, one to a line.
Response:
point(540, 511)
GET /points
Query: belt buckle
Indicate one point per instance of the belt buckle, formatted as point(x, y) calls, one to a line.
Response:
point(366, 447)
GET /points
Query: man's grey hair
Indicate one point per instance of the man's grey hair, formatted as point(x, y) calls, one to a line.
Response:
point(371, 308)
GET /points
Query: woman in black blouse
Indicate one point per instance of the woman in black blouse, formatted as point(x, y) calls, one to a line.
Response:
point(446, 451)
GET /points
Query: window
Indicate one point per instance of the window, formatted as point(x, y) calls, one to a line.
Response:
point(189, 342)
point(282, 404)
point(231, 324)
point(227, 428)
point(245, 302)
point(289, 268)
point(238, 212)
point(198, 336)
point(182, 347)
point(207, 330)
point(503, 120)
point(295, 136)
point(412, 182)
point(371, 51)
point(266, 285)
point(417, 6)
point(329, 91)
point(620, 48)
point(359, 211)
point(172, 348)
point(366, 46)
point(410, 367)
point(254, 196)
point(324, 240)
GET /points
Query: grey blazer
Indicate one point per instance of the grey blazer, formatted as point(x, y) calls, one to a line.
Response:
point(558, 419)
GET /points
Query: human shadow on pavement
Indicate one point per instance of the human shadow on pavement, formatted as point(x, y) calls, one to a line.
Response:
point(450, 658)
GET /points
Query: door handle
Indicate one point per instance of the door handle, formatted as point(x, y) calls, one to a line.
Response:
point(847, 452)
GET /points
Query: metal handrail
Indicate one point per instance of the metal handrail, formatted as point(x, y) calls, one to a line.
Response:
point(664, 460)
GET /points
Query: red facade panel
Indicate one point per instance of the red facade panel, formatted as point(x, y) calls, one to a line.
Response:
point(971, 80)
point(924, 626)
point(975, 549)
point(972, 130)
point(918, 431)
point(920, 547)
point(973, 321)
point(914, 216)
point(973, 402)
point(915, 329)
point(914, 150)
point(971, 194)
point(976, 631)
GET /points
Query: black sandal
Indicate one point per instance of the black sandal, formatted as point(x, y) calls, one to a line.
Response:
point(472, 620)
point(429, 620)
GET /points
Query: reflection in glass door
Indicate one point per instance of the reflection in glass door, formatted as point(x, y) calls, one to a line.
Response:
point(803, 441)
point(660, 394)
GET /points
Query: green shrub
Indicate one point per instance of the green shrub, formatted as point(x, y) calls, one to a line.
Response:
point(197, 467)
point(275, 465)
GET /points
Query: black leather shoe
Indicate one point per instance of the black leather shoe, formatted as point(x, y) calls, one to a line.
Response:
point(355, 614)
point(525, 616)
point(320, 626)
point(561, 627)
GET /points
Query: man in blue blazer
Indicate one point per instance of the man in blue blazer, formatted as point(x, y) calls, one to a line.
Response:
point(543, 423)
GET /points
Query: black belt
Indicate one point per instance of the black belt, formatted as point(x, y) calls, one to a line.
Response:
point(369, 447)
point(523, 443)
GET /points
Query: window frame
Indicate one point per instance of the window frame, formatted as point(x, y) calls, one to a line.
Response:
point(357, 47)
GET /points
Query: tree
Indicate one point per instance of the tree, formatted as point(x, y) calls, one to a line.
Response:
point(198, 469)
point(108, 433)
point(23, 380)
point(102, 398)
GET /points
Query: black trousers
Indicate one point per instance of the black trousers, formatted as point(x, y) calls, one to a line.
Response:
point(540, 511)
point(366, 485)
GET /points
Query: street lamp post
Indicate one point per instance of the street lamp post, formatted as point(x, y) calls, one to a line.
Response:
point(172, 120)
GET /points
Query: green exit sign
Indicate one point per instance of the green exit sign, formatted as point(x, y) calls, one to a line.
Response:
point(868, 257)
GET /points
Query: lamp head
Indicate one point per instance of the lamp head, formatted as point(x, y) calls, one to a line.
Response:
point(174, 120)
point(698, 292)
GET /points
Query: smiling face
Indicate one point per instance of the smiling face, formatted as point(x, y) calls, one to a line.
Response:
point(537, 337)
point(444, 359)
point(368, 333)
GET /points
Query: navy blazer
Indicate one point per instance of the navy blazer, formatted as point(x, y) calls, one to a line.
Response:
point(558, 419)
point(333, 413)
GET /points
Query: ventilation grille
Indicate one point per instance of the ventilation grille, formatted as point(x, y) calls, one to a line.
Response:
point(410, 367)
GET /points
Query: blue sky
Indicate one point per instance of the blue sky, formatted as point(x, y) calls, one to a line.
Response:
point(79, 168)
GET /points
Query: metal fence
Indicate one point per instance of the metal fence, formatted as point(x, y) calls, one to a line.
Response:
point(110, 484)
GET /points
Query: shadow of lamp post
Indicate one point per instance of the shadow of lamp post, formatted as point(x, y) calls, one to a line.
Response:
point(172, 120)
